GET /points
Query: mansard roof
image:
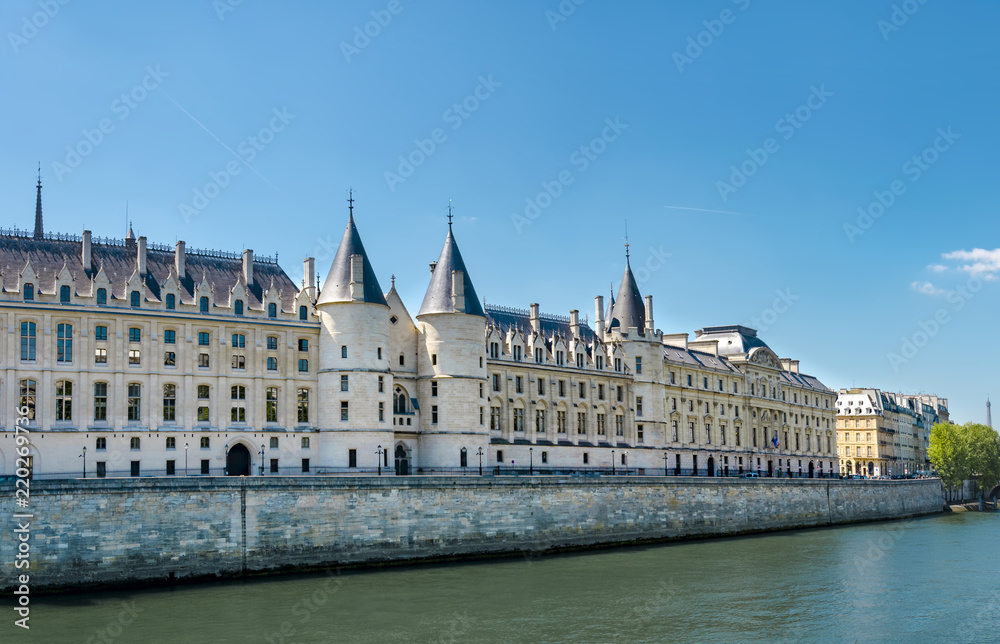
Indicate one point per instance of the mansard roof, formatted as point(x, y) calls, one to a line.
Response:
point(337, 287)
point(506, 318)
point(629, 309)
point(117, 258)
point(438, 298)
point(733, 338)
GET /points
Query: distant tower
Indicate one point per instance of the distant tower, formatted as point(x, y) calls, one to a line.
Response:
point(39, 232)
point(989, 417)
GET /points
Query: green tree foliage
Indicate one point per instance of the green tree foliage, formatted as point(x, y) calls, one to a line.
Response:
point(947, 453)
point(961, 452)
point(983, 449)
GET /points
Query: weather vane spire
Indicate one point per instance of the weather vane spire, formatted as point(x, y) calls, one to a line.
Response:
point(626, 239)
point(350, 201)
point(449, 214)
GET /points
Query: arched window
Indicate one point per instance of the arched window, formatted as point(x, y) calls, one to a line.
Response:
point(203, 304)
point(64, 294)
point(171, 301)
point(272, 310)
point(27, 340)
point(64, 343)
point(303, 313)
point(27, 400)
point(102, 296)
point(64, 400)
point(238, 307)
point(29, 292)
point(134, 299)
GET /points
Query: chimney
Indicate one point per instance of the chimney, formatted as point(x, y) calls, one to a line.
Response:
point(649, 313)
point(179, 259)
point(574, 323)
point(599, 315)
point(458, 290)
point(141, 256)
point(309, 276)
point(433, 266)
point(248, 266)
point(794, 366)
point(86, 255)
point(536, 322)
point(357, 277)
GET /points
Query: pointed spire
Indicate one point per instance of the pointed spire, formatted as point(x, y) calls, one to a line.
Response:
point(342, 274)
point(441, 292)
point(629, 309)
point(39, 231)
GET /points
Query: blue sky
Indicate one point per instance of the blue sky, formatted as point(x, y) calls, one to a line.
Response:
point(787, 117)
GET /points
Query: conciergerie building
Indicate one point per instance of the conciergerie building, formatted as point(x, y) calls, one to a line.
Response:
point(131, 358)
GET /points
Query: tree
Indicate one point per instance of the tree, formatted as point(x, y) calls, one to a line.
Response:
point(983, 454)
point(949, 454)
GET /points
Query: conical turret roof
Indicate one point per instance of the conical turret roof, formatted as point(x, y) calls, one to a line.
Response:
point(337, 287)
point(629, 309)
point(438, 298)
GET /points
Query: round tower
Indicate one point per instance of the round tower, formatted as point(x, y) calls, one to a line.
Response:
point(355, 382)
point(451, 366)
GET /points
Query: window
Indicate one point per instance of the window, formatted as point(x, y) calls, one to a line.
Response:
point(134, 399)
point(586, 458)
point(704, 382)
point(271, 405)
point(101, 443)
point(27, 399)
point(206, 442)
point(204, 338)
point(600, 424)
point(463, 458)
point(638, 364)
point(102, 296)
point(303, 313)
point(352, 458)
point(518, 385)
point(673, 427)
point(561, 422)
point(434, 414)
point(272, 310)
point(303, 365)
point(134, 356)
point(381, 384)
point(305, 442)
point(381, 412)
point(100, 401)
point(638, 406)
point(600, 392)
point(203, 304)
point(238, 412)
point(562, 388)
point(272, 364)
point(402, 360)
point(238, 307)
point(171, 442)
point(343, 383)
point(239, 341)
point(619, 393)
point(495, 419)
point(343, 410)
point(581, 422)
point(135, 334)
point(239, 362)
point(64, 400)
point(64, 294)
point(434, 388)
point(496, 382)
point(303, 344)
point(541, 386)
point(272, 343)
point(29, 292)
point(303, 405)
point(540, 421)
point(620, 425)
point(499, 456)
point(203, 361)
point(343, 351)
point(27, 340)
point(583, 390)
point(171, 301)
point(64, 343)
point(169, 359)
point(102, 469)
point(135, 443)
point(689, 380)
point(134, 299)
point(169, 403)
point(170, 336)
point(100, 333)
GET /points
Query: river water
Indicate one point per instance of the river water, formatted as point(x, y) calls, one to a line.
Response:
point(923, 580)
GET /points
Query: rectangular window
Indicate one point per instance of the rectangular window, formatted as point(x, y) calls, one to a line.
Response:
point(434, 388)
point(343, 383)
point(272, 343)
point(305, 466)
point(169, 359)
point(273, 442)
point(100, 356)
point(135, 334)
point(134, 400)
point(134, 471)
point(203, 360)
point(638, 406)
point(561, 422)
point(303, 365)
point(64, 400)
point(600, 424)
point(352, 458)
point(100, 333)
point(343, 410)
point(583, 390)
point(303, 405)
point(134, 356)
point(495, 419)
point(272, 364)
point(562, 388)
point(581, 422)
point(204, 338)
point(518, 419)
point(271, 405)
point(673, 427)
point(169, 403)
point(540, 421)
point(27, 341)
point(496, 382)
point(100, 401)
point(239, 341)
point(381, 412)
point(239, 362)
point(518, 384)
point(64, 343)
point(434, 414)
point(381, 384)
point(638, 364)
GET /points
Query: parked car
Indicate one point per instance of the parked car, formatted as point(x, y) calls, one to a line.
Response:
point(751, 475)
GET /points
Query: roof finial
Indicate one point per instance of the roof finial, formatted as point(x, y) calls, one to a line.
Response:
point(350, 201)
point(449, 215)
point(626, 239)
point(39, 231)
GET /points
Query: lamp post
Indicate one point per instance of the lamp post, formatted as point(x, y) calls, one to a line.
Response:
point(185, 459)
point(612, 462)
point(225, 468)
point(480, 455)
point(379, 452)
point(261, 459)
point(625, 461)
point(664, 463)
point(531, 461)
point(465, 460)
point(84, 456)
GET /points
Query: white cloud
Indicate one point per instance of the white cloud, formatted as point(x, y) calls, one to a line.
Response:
point(926, 288)
point(978, 261)
point(938, 268)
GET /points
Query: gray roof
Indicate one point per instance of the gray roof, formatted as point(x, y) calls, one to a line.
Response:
point(733, 338)
point(337, 287)
point(438, 298)
point(506, 318)
point(629, 309)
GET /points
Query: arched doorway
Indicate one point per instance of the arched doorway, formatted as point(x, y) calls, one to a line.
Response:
point(812, 469)
point(871, 469)
point(238, 461)
point(711, 466)
point(402, 462)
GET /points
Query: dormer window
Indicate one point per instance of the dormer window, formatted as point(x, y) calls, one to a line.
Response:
point(29, 292)
point(171, 300)
point(238, 307)
point(272, 310)
point(203, 304)
point(303, 313)
point(134, 297)
point(102, 296)
point(64, 294)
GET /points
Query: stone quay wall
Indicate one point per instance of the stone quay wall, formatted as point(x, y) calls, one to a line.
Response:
point(118, 532)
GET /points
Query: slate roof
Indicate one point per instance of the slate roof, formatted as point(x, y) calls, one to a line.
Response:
point(337, 287)
point(505, 318)
point(629, 309)
point(438, 298)
point(733, 338)
point(698, 359)
point(118, 259)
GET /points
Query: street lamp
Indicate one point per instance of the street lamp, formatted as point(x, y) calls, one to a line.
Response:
point(261, 459)
point(531, 461)
point(379, 453)
point(465, 460)
point(625, 461)
point(185, 459)
point(664, 463)
point(225, 469)
point(612, 462)
point(480, 455)
point(84, 455)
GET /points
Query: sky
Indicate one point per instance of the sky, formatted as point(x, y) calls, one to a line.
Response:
point(822, 172)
